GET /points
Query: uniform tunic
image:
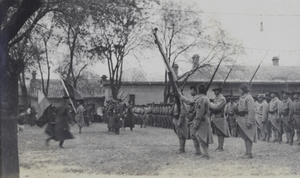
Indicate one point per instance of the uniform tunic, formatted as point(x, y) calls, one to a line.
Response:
point(274, 110)
point(296, 114)
point(79, 116)
point(217, 117)
point(203, 133)
point(182, 131)
point(261, 114)
point(246, 106)
point(286, 111)
point(231, 117)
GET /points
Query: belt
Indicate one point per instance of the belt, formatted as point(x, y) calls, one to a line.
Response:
point(242, 113)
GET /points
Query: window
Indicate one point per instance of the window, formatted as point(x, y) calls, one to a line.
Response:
point(131, 99)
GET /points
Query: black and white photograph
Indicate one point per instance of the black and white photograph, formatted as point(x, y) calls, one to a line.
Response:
point(149, 88)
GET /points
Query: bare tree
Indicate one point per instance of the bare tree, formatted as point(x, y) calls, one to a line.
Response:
point(182, 32)
point(72, 22)
point(118, 27)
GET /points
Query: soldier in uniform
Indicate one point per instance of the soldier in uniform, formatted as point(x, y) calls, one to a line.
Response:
point(296, 114)
point(231, 117)
point(246, 119)
point(274, 110)
point(219, 122)
point(181, 122)
point(200, 124)
point(286, 110)
point(261, 116)
point(79, 115)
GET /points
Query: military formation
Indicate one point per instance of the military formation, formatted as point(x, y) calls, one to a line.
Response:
point(155, 115)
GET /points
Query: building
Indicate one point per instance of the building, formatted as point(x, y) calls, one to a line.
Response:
point(267, 78)
point(91, 90)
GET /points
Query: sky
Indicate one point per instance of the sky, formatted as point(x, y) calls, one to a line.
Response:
point(242, 20)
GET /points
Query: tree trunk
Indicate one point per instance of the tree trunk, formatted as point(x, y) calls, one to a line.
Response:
point(8, 109)
point(114, 91)
point(167, 88)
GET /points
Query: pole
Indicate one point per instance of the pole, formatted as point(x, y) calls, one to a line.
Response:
point(68, 95)
point(172, 75)
point(212, 78)
point(229, 71)
point(257, 68)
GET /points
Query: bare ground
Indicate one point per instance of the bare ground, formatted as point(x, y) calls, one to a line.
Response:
point(147, 152)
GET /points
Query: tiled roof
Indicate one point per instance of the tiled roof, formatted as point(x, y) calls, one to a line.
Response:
point(244, 74)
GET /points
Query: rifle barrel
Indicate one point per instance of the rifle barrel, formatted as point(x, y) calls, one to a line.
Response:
point(213, 76)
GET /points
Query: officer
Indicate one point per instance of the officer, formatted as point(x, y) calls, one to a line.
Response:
point(219, 122)
point(274, 110)
point(286, 116)
point(261, 116)
point(246, 119)
point(296, 114)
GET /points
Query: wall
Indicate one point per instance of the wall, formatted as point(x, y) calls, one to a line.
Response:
point(144, 94)
point(147, 93)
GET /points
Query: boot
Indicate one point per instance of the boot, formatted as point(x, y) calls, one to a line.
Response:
point(205, 150)
point(197, 147)
point(181, 146)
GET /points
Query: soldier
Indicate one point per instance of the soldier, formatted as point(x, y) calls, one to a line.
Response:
point(286, 110)
point(246, 119)
point(181, 123)
point(296, 114)
point(79, 115)
point(217, 117)
point(261, 116)
point(231, 117)
point(200, 124)
point(274, 110)
point(129, 121)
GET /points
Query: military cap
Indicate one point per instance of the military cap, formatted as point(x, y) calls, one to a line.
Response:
point(261, 96)
point(217, 89)
point(275, 92)
point(244, 87)
point(296, 92)
point(286, 92)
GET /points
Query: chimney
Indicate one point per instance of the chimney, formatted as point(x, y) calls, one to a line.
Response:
point(275, 61)
point(33, 73)
point(175, 67)
point(195, 60)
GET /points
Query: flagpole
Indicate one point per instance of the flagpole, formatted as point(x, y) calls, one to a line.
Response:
point(68, 95)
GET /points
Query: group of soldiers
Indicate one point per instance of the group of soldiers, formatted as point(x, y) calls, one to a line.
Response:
point(155, 115)
point(118, 115)
point(199, 117)
point(273, 116)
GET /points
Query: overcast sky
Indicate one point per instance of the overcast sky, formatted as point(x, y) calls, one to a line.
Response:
point(242, 19)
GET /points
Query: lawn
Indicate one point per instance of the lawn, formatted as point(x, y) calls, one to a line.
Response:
point(146, 152)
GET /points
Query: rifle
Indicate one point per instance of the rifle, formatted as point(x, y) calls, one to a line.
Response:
point(207, 87)
point(229, 72)
point(171, 72)
point(257, 69)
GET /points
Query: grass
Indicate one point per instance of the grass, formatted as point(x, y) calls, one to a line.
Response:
point(146, 152)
